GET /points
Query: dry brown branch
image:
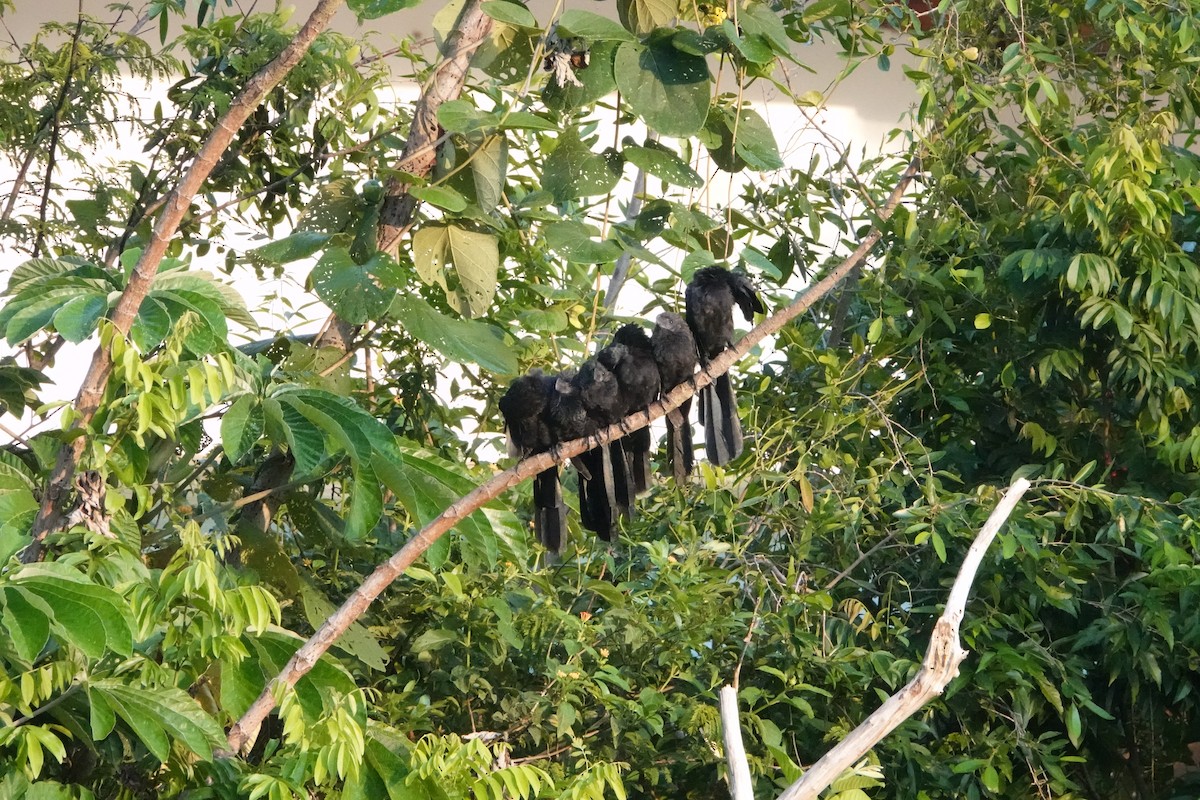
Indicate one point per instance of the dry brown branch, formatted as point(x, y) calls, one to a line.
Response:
point(940, 667)
point(740, 785)
point(420, 149)
point(96, 380)
point(242, 734)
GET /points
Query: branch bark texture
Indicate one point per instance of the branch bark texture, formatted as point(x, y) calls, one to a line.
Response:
point(420, 149)
point(242, 734)
point(96, 379)
point(940, 667)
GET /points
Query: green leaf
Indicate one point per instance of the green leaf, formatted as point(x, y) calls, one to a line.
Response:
point(101, 717)
point(591, 27)
point(458, 339)
point(643, 16)
point(305, 441)
point(152, 324)
point(573, 241)
point(1074, 724)
point(77, 319)
point(426, 484)
point(741, 140)
point(461, 116)
point(298, 245)
point(348, 288)
point(26, 620)
point(573, 171)
point(91, 617)
point(661, 162)
point(484, 178)
point(510, 13)
point(667, 88)
point(463, 262)
point(433, 639)
point(158, 712)
point(374, 9)
point(241, 426)
point(441, 196)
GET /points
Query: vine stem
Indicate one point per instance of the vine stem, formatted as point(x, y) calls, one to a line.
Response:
point(243, 733)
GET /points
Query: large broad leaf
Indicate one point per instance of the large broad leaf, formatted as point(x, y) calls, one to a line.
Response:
point(374, 9)
point(739, 141)
point(300, 244)
point(463, 262)
point(483, 179)
point(305, 440)
point(152, 324)
point(573, 241)
point(91, 617)
point(349, 289)
point(157, 715)
point(643, 16)
point(509, 13)
point(661, 162)
point(334, 209)
point(241, 426)
point(458, 339)
point(348, 428)
point(666, 87)
point(77, 319)
point(426, 484)
point(573, 171)
point(26, 619)
point(592, 27)
point(206, 284)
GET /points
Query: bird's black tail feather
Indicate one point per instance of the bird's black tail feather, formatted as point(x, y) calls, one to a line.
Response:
point(606, 493)
point(637, 451)
point(680, 452)
point(550, 513)
point(722, 430)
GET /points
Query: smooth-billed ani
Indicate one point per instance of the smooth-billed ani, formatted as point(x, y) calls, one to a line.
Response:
point(525, 407)
point(675, 353)
point(709, 301)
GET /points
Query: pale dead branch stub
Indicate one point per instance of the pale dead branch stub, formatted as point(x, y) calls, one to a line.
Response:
point(940, 667)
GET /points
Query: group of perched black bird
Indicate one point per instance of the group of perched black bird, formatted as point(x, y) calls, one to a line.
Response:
point(629, 374)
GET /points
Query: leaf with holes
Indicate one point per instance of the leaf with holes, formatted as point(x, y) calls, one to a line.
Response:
point(573, 171)
point(666, 87)
point(463, 262)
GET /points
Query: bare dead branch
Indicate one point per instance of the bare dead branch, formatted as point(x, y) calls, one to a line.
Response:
point(940, 667)
point(243, 733)
point(740, 785)
point(87, 402)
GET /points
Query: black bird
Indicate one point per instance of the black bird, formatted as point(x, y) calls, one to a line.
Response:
point(631, 359)
point(709, 300)
point(604, 492)
point(675, 353)
point(526, 409)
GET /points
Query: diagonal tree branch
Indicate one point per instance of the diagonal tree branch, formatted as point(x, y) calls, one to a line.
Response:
point(243, 733)
point(420, 149)
point(96, 380)
point(940, 667)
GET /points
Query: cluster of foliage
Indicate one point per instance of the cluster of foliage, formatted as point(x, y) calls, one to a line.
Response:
point(1035, 310)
